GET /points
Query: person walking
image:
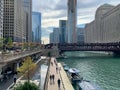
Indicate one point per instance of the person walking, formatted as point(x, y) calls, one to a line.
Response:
point(50, 79)
point(58, 81)
point(56, 69)
point(15, 78)
point(53, 77)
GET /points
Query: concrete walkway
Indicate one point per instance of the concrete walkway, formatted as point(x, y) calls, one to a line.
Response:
point(66, 82)
point(52, 70)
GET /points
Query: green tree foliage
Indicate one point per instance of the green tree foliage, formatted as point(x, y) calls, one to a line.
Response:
point(9, 42)
point(27, 86)
point(27, 67)
point(25, 45)
point(1, 43)
point(49, 54)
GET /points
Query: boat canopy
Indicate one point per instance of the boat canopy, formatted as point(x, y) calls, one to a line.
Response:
point(73, 70)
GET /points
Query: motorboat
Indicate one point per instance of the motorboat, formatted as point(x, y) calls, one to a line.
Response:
point(77, 80)
point(74, 75)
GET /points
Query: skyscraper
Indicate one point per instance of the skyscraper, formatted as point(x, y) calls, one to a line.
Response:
point(72, 16)
point(28, 11)
point(36, 27)
point(51, 38)
point(80, 35)
point(56, 34)
point(62, 26)
point(13, 20)
point(1, 18)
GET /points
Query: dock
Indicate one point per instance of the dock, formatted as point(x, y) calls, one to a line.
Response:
point(59, 73)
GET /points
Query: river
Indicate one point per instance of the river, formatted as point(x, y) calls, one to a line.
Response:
point(101, 69)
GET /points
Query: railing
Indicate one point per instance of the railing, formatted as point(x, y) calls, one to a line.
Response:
point(8, 57)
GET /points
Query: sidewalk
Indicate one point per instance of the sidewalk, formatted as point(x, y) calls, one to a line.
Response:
point(57, 75)
point(5, 84)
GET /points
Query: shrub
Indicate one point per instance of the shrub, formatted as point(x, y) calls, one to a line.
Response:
point(27, 86)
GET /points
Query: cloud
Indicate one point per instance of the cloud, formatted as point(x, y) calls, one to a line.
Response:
point(54, 10)
point(46, 31)
point(45, 40)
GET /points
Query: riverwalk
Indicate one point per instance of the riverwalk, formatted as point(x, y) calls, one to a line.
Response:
point(59, 73)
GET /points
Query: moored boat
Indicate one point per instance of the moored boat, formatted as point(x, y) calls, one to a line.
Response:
point(77, 80)
point(74, 75)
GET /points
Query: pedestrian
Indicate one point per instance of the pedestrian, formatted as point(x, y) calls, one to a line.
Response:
point(50, 79)
point(56, 69)
point(51, 63)
point(15, 78)
point(58, 81)
point(53, 77)
point(54, 61)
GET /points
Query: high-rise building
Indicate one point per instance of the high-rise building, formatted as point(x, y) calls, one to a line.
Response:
point(1, 18)
point(28, 11)
point(80, 35)
point(56, 34)
point(13, 19)
point(51, 38)
point(72, 20)
point(98, 20)
point(111, 25)
point(62, 26)
point(105, 24)
point(36, 27)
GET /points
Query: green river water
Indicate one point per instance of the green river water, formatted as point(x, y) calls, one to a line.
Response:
point(101, 69)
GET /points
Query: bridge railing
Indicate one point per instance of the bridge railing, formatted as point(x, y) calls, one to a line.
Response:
point(95, 47)
point(15, 55)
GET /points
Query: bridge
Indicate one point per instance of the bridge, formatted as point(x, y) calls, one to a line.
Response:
point(109, 47)
point(12, 61)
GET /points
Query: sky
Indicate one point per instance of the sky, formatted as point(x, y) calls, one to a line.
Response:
point(54, 10)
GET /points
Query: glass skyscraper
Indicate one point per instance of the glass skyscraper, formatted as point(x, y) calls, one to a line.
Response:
point(72, 20)
point(1, 18)
point(28, 11)
point(36, 27)
point(62, 26)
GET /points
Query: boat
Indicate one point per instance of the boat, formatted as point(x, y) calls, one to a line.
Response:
point(65, 66)
point(87, 85)
point(77, 80)
point(63, 56)
point(73, 74)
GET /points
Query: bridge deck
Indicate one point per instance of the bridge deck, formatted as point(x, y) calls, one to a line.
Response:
point(12, 57)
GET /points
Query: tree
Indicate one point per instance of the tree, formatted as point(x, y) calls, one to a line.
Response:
point(27, 67)
point(25, 45)
point(2, 40)
point(9, 42)
point(49, 54)
point(25, 86)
